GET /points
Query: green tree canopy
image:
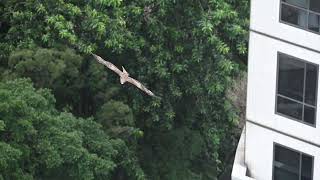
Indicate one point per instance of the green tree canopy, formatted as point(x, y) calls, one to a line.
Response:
point(37, 141)
point(186, 51)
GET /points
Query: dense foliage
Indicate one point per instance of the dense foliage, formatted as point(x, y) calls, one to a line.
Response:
point(186, 51)
point(37, 141)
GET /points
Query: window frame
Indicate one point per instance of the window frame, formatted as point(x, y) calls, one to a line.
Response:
point(303, 103)
point(301, 8)
point(300, 159)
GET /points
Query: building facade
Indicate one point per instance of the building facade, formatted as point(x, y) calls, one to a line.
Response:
point(281, 139)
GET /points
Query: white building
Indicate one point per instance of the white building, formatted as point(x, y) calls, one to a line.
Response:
point(281, 140)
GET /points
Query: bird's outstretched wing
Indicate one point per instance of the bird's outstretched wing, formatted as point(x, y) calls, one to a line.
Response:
point(107, 64)
point(124, 76)
point(140, 86)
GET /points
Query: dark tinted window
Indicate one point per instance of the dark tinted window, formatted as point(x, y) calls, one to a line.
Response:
point(289, 108)
point(315, 5)
point(302, 13)
point(309, 114)
point(294, 15)
point(314, 21)
point(287, 158)
point(291, 165)
point(281, 174)
point(306, 167)
point(297, 89)
point(291, 77)
point(300, 3)
point(311, 84)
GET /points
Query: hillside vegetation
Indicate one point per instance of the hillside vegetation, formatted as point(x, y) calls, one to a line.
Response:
point(64, 116)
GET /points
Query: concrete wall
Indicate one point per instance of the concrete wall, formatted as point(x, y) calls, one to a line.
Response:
point(265, 16)
point(239, 170)
point(261, 91)
point(262, 80)
point(259, 151)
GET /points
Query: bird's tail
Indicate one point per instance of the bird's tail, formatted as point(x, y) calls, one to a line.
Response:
point(122, 80)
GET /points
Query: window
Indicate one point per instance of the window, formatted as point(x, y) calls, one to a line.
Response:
point(296, 89)
point(302, 13)
point(291, 165)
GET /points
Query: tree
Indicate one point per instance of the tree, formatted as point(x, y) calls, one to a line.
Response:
point(37, 141)
point(186, 51)
point(56, 69)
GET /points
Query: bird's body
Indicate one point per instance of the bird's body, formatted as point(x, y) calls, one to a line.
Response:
point(124, 75)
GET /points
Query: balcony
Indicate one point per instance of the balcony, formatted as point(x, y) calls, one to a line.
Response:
point(239, 170)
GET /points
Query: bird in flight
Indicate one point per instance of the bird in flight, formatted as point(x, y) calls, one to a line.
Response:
point(124, 75)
